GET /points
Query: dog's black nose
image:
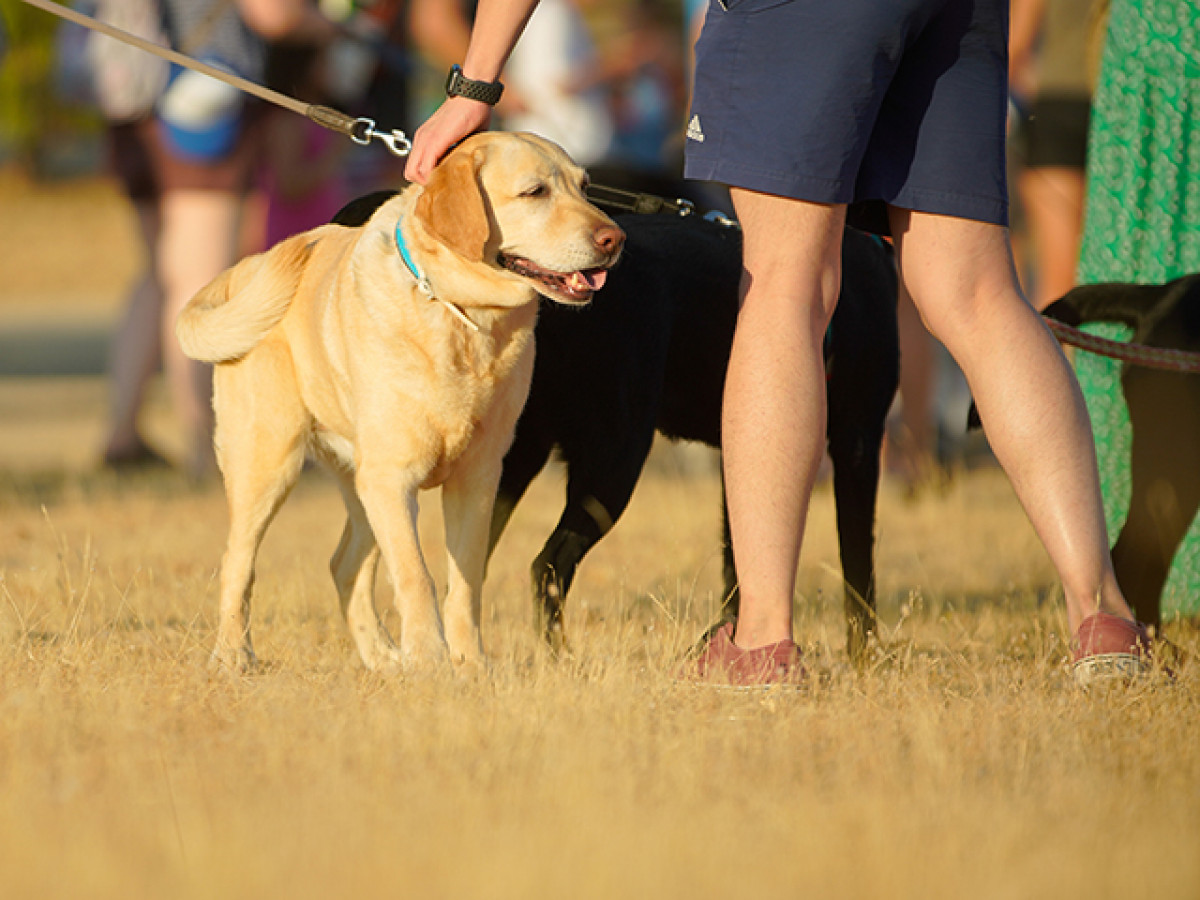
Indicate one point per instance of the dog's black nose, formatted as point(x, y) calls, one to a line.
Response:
point(609, 238)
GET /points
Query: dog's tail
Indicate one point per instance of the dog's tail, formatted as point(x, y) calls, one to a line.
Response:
point(226, 319)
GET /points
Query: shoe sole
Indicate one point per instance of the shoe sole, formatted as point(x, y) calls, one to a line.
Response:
point(769, 687)
point(1104, 668)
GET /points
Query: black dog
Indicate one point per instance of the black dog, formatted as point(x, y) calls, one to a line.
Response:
point(1164, 414)
point(649, 353)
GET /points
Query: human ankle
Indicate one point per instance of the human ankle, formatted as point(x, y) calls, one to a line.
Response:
point(752, 634)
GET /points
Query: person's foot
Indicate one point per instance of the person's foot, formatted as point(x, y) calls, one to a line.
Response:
point(722, 662)
point(133, 457)
point(1109, 648)
point(201, 466)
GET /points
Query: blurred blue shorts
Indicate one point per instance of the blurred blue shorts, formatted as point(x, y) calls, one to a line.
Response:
point(866, 102)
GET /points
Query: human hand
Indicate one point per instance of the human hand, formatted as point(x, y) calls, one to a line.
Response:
point(454, 120)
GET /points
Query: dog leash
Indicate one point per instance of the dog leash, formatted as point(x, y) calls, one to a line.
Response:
point(634, 202)
point(1182, 361)
point(361, 130)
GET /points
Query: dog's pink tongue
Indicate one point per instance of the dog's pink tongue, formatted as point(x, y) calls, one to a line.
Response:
point(590, 280)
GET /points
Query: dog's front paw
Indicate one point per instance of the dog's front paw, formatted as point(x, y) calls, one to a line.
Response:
point(385, 661)
point(238, 660)
point(471, 665)
point(424, 651)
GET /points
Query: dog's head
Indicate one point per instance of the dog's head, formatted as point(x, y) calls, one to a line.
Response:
point(516, 202)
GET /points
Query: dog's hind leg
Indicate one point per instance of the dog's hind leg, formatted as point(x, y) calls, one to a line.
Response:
point(598, 491)
point(525, 459)
point(855, 489)
point(857, 413)
point(354, 566)
point(731, 599)
point(260, 457)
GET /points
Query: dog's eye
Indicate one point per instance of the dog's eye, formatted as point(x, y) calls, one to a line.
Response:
point(537, 190)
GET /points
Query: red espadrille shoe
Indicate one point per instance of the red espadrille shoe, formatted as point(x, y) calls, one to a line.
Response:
point(1109, 648)
point(724, 663)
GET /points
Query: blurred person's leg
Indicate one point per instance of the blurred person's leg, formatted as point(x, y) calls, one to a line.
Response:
point(961, 276)
point(913, 447)
point(199, 238)
point(773, 415)
point(1053, 201)
point(135, 351)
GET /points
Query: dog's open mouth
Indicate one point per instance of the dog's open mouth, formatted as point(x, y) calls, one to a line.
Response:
point(569, 287)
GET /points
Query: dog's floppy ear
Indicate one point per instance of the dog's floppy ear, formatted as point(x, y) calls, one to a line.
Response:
point(452, 208)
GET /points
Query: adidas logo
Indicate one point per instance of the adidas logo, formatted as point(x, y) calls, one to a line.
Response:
point(694, 132)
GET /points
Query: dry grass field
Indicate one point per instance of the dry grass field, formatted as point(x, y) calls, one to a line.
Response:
point(961, 763)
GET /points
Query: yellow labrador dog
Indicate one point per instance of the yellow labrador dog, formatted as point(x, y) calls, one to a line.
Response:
point(401, 354)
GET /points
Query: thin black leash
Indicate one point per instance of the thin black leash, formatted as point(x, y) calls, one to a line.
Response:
point(634, 202)
point(359, 129)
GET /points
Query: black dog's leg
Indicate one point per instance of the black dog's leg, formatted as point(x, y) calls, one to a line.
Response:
point(731, 600)
point(598, 491)
point(855, 491)
point(554, 569)
point(524, 460)
point(1165, 486)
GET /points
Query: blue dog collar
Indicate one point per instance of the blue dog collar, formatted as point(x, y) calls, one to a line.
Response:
point(423, 284)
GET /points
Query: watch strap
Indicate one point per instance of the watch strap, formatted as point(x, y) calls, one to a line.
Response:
point(459, 85)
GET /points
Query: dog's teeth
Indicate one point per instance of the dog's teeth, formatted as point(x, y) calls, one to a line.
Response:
point(591, 280)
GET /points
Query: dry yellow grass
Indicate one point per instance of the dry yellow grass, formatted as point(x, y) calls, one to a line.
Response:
point(962, 763)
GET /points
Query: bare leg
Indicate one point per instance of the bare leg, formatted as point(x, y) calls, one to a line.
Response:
point(962, 278)
point(135, 351)
point(916, 444)
point(1053, 198)
point(773, 416)
point(199, 231)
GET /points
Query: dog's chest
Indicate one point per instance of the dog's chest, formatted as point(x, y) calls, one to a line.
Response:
point(430, 407)
point(471, 389)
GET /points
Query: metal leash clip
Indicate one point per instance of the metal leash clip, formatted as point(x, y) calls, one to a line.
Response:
point(396, 140)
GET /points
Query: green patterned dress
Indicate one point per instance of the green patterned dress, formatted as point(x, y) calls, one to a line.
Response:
point(1143, 218)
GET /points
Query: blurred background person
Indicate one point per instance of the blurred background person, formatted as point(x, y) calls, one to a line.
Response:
point(641, 67)
point(302, 172)
point(1051, 82)
point(554, 86)
point(187, 166)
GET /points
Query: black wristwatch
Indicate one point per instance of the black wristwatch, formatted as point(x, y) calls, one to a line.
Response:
point(458, 85)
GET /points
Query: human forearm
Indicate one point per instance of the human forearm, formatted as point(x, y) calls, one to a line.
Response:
point(498, 25)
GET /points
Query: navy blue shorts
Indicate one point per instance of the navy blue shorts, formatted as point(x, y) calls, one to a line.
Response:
point(869, 102)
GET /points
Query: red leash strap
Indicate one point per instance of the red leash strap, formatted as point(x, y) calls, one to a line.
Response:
point(1181, 361)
